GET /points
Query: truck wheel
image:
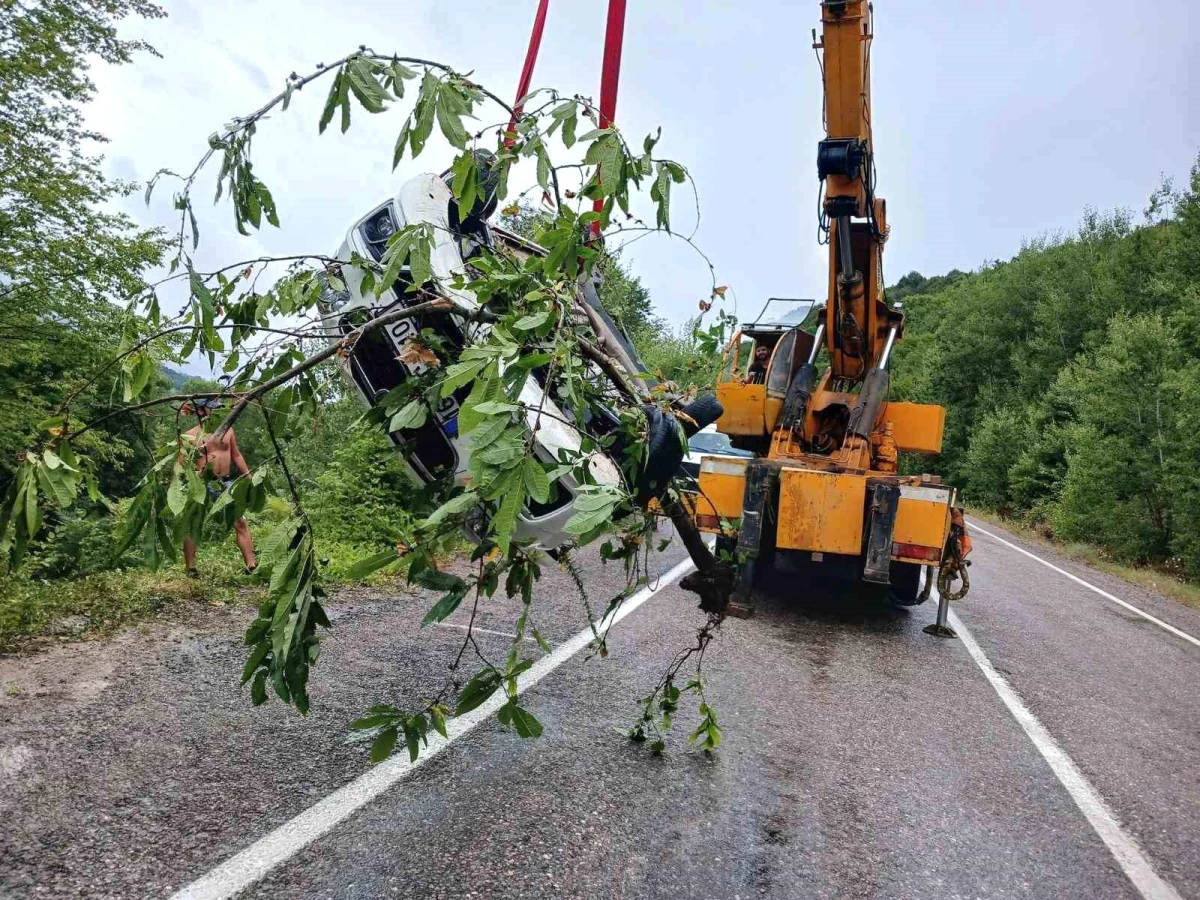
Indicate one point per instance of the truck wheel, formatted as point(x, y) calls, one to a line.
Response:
point(905, 586)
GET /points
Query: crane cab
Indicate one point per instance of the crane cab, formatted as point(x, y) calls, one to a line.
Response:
point(755, 371)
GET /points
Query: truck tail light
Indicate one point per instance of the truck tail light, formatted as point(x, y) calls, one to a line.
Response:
point(916, 551)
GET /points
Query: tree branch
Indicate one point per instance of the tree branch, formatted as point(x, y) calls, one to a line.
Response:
point(347, 342)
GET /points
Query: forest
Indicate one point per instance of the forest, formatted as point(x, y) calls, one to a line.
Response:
point(1070, 373)
point(1071, 379)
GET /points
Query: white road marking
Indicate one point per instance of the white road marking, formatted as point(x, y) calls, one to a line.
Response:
point(243, 869)
point(507, 634)
point(1122, 845)
point(1105, 594)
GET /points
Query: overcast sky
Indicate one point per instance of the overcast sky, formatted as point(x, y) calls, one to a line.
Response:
point(994, 122)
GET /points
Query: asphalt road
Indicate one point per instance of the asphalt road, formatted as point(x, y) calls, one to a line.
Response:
point(862, 758)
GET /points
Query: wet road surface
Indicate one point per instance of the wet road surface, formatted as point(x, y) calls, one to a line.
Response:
point(861, 757)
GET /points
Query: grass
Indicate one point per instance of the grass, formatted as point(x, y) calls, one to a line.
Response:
point(104, 601)
point(101, 603)
point(1156, 579)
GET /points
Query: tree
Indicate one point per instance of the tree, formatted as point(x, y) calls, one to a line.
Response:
point(1068, 376)
point(58, 244)
point(64, 258)
point(529, 326)
point(1117, 489)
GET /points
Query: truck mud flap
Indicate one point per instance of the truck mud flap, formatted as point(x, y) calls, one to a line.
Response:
point(758, 501)
point(885, 501)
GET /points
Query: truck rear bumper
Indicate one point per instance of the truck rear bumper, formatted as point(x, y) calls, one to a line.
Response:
point(830, 512)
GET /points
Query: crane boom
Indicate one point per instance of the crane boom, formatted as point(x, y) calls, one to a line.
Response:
point(858, 323)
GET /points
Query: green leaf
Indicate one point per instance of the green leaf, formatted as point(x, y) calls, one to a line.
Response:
point(459, 374)
point(484, 434)
point(465, 182)
point(476, 691)
point(197, 492)
point(364, 86)
point(414, 734)
point(446, 606)
point(401, 143)
point(496, 407)
point(273, 548)
point(268, 203)
point(400, 74)
point(523, 721)
point(256, 659)
point(543, 167)
point(437, 715)
point(381, 715)
point(384, 744)
point(566, 115)
point(419, 265)
point(532, 321)
point(486, 387)
point(412, 415)
point(608, 156)
point(505, 521)
point(33, 513)
point(660, 193)
point(177, 494)
point(452, 507)
point(365, 567)
point(331, 102)
point(434, 579)
point(542, 642)
point(425, 110)
point(258, 690)
point(537, 482)
point(532, 361)
point(449, 120)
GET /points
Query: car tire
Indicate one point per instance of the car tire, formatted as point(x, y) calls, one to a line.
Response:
point(705, 409)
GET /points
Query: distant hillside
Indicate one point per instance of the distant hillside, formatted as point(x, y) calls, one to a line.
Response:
point(177, 378)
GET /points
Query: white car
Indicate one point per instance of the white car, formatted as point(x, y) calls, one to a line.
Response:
point(709, 442)
point(435, 450)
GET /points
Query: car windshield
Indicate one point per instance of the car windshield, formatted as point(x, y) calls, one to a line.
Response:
point(712, 442)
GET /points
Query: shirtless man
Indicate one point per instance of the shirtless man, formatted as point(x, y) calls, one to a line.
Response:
point(221, 457)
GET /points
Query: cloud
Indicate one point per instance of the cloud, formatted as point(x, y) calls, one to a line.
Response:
point(992, 124)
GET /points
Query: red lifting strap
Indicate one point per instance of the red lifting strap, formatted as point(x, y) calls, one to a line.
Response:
point(610, 76)
point(610, 73)
point(535, 43)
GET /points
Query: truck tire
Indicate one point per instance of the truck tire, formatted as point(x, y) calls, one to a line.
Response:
point(905, 588)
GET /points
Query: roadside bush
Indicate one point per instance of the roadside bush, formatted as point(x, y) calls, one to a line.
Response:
point(81, 544)
point(364, 496)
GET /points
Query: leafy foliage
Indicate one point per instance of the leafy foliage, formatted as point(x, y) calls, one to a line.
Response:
point(1069, 375)
point(63, 254)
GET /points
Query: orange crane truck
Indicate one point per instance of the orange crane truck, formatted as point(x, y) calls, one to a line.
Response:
point(823, 490)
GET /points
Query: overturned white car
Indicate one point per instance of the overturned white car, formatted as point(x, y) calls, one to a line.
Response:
point(377, 363)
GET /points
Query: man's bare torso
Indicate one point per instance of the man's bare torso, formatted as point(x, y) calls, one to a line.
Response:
point(216, 454)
